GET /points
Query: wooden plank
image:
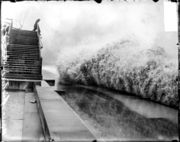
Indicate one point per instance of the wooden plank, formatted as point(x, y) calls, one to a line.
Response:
point(23, 52)
point(22, 68)
point(21, 47)
point(22, 76)
point(19, 61)
point(34, 63)
point(18, 46)
point(63, 123)
point(27, 72)
point(20, 65)
point(24, 65)
point(23, 72)
point(24, 40)
point(23, 32)
point(20, 80)
point(27, 61)
point(24, 79)
point(23, 56)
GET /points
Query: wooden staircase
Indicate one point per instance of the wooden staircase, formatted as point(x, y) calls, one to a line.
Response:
point(22, 56)
point(22, 62)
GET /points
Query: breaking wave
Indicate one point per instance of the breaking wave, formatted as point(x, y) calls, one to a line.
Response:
point(125, 66)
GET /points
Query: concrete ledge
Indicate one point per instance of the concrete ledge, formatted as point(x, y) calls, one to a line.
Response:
point(59, 121)
point(42, 118)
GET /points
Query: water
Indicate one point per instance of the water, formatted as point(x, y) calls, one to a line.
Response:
point(122, 118)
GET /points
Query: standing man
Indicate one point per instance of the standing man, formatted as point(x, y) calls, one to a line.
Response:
point(5, 30)
point(36, 26)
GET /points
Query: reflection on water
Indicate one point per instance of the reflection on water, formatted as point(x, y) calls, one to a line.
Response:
point(143, 107)
point(115, 119)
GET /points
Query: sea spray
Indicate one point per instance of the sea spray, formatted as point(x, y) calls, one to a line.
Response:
point(148, 73)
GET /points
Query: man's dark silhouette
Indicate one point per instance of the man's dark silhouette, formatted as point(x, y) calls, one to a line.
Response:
point(5, 30)
point(36, 26)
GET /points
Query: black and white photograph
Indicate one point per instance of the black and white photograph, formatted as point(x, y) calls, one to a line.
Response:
point(89, 71)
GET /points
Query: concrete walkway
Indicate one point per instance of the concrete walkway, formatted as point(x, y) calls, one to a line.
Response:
point(20, 120)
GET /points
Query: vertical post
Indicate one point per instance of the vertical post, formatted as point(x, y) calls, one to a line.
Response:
point(40, 46)
point(178, 11)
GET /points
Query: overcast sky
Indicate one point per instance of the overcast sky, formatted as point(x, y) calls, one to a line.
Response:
point(73, 25)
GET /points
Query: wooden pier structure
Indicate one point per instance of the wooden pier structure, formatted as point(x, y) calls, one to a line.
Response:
point(31, 109)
